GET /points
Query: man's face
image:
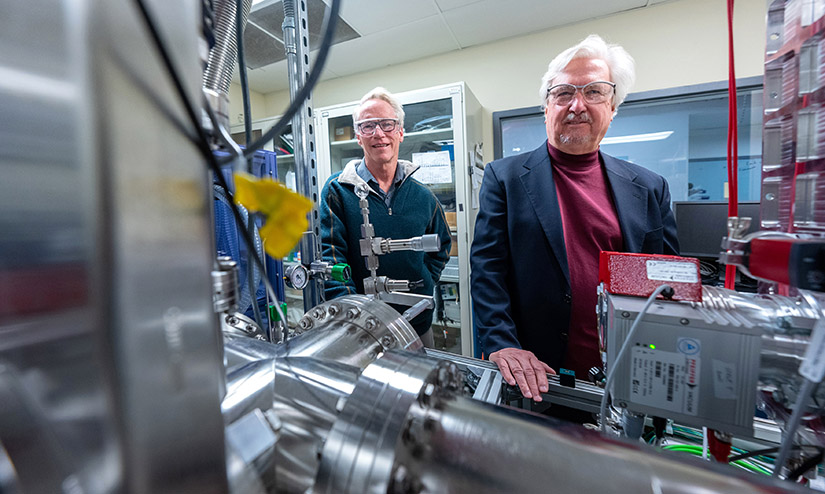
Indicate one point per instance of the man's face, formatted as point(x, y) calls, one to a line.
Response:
point(578, 127)
point(380, 148)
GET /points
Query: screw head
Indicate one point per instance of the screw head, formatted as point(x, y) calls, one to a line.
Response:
point(684, 321)
point(427, 394)
point(625, 314)
point(305, 323)
point(387, 341)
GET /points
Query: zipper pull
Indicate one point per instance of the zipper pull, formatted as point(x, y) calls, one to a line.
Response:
point(390, 211)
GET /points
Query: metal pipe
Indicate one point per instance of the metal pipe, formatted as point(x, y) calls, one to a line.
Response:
point(352, 330)
point(405, 430)
point(471, 447)
point(418, 308)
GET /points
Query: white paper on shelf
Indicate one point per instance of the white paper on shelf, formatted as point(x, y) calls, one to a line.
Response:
point(436, 167)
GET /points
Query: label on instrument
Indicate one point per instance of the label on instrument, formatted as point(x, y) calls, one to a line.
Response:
point(682, 272)
point(666, 380)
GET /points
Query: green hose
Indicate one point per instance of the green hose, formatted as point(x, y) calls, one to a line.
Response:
point(697, 451)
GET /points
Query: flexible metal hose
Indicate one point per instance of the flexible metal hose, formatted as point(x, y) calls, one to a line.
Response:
point(218, 74)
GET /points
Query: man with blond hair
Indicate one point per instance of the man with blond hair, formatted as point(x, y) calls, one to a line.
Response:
point(400, 207)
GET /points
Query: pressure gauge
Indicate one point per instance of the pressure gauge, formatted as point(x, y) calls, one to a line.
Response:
point(297, 276)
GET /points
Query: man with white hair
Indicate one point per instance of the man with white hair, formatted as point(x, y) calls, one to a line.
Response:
point(545, 215)
point(400, 207)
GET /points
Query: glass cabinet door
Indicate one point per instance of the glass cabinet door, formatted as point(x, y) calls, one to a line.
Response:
point(435, 137)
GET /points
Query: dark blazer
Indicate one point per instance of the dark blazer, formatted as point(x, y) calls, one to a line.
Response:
point(520, 281)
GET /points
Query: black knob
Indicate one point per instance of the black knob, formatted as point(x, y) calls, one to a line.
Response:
point(596, 376)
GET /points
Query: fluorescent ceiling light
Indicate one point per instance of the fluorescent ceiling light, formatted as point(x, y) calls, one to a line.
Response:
point(655, 136)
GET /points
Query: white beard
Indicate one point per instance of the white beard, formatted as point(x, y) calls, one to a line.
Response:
point(566, 139)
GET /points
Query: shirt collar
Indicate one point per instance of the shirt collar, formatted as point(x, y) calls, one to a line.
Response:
point(365, 173)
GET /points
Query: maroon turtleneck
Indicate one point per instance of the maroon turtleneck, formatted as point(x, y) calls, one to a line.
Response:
point(590, 226)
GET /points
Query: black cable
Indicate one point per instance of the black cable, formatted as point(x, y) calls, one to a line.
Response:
point(758, 452)
point(247, 120)
point(202, 141)
point(330, 20)
point(766, 451)
point(806, 465)
point(659, 426)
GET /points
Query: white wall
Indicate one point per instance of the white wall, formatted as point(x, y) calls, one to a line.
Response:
point(675, 44)
point(257, 103)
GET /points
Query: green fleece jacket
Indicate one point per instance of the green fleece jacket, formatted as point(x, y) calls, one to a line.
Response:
point(413, 211)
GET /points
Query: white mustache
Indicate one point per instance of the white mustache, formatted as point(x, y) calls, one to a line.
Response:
point(580, 118)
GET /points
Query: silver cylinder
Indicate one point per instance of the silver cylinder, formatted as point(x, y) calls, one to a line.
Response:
point(405, 430)
point(468, 446)
point(225, 285)
point(353, 330)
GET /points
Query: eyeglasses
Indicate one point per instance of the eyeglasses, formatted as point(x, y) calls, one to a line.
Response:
point(368, 126)
point(594, 93)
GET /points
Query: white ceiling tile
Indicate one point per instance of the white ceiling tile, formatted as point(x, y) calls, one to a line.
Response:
point(404, 43)
point(446, 5)
point(398, 31)
point(491, 20)
point(374, 16)
point(275, 78)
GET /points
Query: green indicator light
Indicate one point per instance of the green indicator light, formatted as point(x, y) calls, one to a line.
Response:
point(652, 347)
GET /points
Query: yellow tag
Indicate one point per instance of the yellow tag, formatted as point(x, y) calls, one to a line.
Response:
point(285, 211)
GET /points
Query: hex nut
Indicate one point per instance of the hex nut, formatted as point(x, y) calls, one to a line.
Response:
point(353, 312)
point(387, 341)
point(333, 309)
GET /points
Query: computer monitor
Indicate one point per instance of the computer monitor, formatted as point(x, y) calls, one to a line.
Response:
point(702, 224)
